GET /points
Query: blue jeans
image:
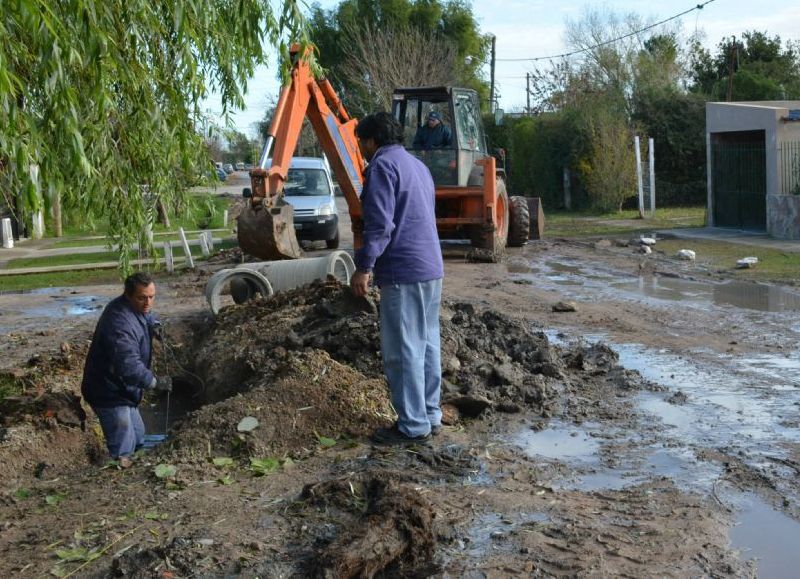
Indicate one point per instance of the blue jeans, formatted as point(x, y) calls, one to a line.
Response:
point(411, 353)
point(123, 428)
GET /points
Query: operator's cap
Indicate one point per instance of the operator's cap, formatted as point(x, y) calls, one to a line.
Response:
point(434, 115)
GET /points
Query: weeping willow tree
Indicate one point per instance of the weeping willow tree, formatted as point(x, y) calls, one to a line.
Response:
point(100, 100)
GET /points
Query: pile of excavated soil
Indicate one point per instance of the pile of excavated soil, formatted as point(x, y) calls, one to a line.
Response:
point(489, 360)
point(307, 364)
point(310, 397)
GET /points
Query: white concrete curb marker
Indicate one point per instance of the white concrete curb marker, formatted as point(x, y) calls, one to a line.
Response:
point(186, 249)
point(8, 235)
point(203, 239)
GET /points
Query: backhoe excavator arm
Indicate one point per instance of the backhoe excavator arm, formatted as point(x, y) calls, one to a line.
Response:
point(266, 229)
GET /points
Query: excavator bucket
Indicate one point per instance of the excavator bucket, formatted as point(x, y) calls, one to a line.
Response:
point(268, 232)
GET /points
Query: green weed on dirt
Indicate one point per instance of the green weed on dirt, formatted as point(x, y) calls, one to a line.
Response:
point(572, 224)
point(773, 264)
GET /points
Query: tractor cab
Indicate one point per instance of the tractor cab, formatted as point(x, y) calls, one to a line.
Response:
point(428, 115)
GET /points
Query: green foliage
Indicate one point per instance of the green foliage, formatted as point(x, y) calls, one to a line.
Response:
point(165, 470)
point(325, 441)
point(54, 500)
point(22, 494)
point(676, 121)
point(105, 97)
point(609, 171)
point(264, 466)
point(222, 462)
point(764, 68)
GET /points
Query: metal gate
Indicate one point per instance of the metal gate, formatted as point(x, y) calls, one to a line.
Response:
point(739, 185)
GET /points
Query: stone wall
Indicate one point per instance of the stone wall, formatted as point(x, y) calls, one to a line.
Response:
point(783, 216)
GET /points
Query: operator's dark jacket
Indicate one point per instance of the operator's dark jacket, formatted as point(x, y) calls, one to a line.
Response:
point(117, 367)
point(433, 138)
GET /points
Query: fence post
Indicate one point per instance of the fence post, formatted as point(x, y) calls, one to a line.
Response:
point(170, 262)
point(186, 249)
point(225, 218)
point(639, 175)
point(203, 244)
point(567, 190)
point(651, 154)
point(209, 240)
point(8, 234)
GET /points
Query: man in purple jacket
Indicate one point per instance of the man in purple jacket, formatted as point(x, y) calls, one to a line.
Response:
point(117, 370)
point(401, 252)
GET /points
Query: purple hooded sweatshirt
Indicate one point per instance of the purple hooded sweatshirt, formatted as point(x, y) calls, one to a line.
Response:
point(401, 244)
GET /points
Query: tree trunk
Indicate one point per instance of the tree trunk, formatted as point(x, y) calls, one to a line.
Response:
point(57, 228)
point(163, 214)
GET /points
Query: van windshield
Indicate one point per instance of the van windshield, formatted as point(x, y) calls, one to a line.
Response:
point(307, 182)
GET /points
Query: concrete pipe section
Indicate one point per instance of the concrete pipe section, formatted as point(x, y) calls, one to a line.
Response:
point(246, 279)
point(244, 285)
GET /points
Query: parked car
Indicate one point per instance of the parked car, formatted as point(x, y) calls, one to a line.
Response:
point(228, 168)
point(240, 166)
point(309, 190)
point(221, 175)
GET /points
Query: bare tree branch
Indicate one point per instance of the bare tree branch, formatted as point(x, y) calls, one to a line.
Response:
point(378, 61)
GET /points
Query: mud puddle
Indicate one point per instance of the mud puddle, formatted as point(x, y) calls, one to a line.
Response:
point(55, 303)
point(767, 537)
point(690, 293)
point(741, 409)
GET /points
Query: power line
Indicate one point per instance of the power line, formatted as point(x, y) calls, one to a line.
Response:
point(574, 52)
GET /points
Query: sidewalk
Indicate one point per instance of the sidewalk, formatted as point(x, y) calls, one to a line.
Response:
point(738, 236)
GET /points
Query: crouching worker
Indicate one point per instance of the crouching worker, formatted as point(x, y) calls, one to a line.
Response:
point(117, 370)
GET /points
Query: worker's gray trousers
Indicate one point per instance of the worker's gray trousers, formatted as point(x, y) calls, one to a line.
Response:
point(411, 353)
point(123, 428)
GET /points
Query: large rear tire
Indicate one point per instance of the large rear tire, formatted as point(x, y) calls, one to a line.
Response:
point(520, 222)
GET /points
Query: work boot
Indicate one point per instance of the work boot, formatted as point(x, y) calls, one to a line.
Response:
point(436, 429)
point(125, 462)
point(393, 435)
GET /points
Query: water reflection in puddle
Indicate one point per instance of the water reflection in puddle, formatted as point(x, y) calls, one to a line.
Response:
point(690, 293)
point(769, 537)
point(560, 441)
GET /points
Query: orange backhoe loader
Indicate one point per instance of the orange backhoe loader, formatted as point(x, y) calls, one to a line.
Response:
point(471, 198)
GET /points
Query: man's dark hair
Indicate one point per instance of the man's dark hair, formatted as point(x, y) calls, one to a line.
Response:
point(382, 128)
point(139, 278)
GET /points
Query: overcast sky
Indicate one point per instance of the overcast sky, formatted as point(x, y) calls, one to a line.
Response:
point(535, 28)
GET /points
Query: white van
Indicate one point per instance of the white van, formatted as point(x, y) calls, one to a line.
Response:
point(309, 190)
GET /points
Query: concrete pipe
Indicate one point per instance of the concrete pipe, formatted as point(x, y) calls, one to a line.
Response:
point(245, 283)
point(286, 275)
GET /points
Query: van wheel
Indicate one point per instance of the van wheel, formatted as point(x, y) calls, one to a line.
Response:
point(333, 243)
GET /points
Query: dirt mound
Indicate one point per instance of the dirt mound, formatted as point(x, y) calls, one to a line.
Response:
point(485, 355)
point(308, 401)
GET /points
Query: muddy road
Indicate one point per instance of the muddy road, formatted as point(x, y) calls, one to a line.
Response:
point(652, 431)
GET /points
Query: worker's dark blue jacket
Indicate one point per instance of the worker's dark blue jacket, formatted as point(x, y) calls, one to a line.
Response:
point(401, 244)
point(117, 367)
point(433, 138)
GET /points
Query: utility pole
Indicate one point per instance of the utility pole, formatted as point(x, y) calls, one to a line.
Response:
point(732, 60)
point(528, 93)
point(491, 91)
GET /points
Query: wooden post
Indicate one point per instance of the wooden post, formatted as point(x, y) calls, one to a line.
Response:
point(225, 218)
point(209, 240)
point(186, 249)
point(567, 190)
point(639, 184)
point(170, 262)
